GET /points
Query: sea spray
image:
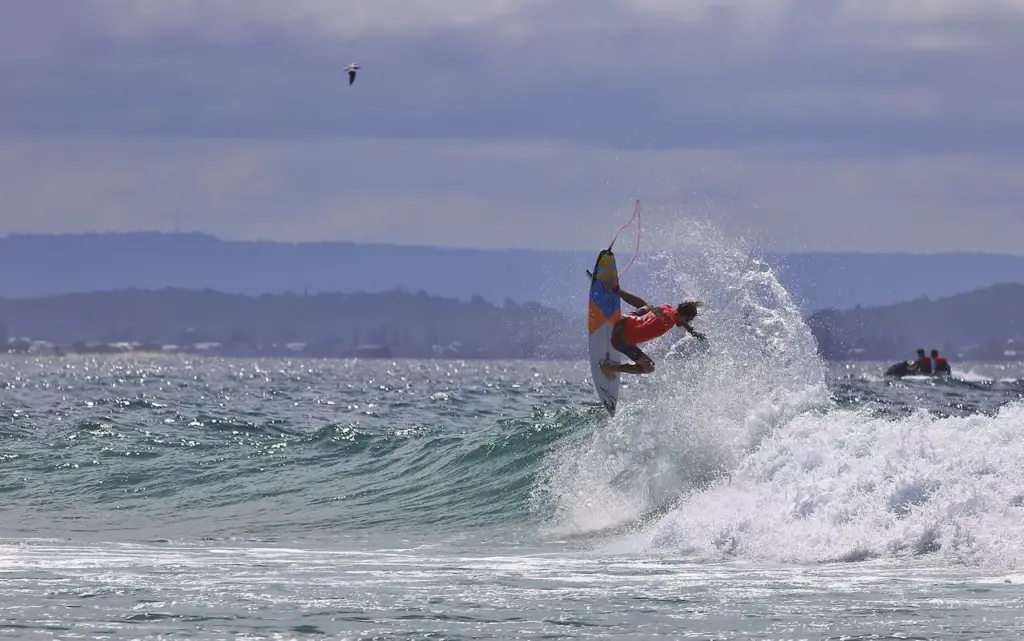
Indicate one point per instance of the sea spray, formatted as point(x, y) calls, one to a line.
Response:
point(852, 487)
point(693, 420)
point(738, 452)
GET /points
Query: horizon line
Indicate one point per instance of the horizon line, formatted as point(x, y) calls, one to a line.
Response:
point(393, 245)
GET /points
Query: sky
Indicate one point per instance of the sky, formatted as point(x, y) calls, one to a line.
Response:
point(800, 125)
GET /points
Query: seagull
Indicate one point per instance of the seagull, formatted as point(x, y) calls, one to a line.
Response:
point(351, 69)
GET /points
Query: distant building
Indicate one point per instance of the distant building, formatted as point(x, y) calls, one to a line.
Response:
point(373, 351)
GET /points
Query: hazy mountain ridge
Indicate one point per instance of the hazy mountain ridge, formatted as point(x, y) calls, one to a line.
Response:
point(986, 324)
point(34, 265)
point(982, 324)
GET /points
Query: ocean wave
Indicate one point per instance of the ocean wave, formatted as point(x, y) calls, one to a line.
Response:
point(224, 458)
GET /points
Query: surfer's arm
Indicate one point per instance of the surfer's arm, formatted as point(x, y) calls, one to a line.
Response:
point(631, 299)
point(695, 333)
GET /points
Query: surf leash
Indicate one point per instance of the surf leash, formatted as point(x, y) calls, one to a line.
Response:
point(636, 217)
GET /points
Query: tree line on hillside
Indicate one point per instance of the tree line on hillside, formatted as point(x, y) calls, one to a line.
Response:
point(403, 324)
point(984, 324)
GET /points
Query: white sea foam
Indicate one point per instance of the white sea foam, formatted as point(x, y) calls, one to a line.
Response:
point(847, 486)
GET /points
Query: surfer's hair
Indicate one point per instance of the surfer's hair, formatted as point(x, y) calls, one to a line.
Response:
point(689, 309)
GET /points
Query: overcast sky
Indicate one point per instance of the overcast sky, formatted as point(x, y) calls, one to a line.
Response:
point(867, 125)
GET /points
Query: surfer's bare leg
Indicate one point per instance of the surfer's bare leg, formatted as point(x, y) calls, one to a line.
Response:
point(642, 363)
point(644, 367)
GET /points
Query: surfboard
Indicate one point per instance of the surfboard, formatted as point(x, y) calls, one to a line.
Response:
point(603, 309)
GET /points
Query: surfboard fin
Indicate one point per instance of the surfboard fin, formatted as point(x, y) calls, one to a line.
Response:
point(608, 361)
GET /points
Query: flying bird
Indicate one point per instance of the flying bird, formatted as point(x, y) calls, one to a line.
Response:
point(351, 69)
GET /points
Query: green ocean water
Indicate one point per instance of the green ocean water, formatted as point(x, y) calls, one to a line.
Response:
point(148, 498)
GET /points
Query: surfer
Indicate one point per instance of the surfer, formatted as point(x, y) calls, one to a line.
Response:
point(644, 324)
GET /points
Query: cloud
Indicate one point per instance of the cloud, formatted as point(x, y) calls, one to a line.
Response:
point(238, 19)
point(849, 124)
point(553, 195)
point(853, 76)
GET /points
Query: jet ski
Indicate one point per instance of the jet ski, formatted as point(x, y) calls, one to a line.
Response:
point(898, 370)
point(906, 368)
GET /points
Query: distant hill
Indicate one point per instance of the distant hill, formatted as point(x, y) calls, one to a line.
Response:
point(44, 265)
point(406, 325)
point(983, 323)
point(844, 280)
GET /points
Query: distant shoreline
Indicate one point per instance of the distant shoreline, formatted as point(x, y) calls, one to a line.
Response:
point(382, 325)
point(980, 325)
point(192, 354)
point(66, 353)
point(290, 354)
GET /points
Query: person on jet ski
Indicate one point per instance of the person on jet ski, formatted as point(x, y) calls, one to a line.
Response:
point(940, 364)
point(923, 364)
